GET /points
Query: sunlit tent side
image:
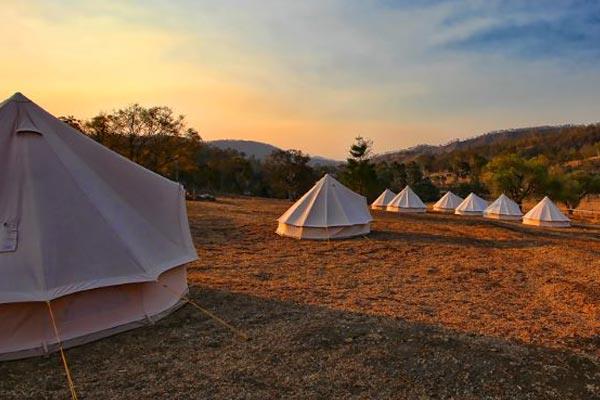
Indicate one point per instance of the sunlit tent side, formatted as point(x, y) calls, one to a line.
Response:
point(84, 232)
point(503, 208)
point(406, 201)
point(472, 205)
point(448, 203)
point(327, 211)
point(383, 200)
point(545, 213)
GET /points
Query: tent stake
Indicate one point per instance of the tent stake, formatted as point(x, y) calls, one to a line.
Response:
point(62, 354)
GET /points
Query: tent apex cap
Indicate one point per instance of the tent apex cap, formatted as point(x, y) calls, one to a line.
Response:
point(19, 97)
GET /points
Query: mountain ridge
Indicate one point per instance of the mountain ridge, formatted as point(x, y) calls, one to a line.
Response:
point(261, 150)
point(484, 140)
point(530, 141)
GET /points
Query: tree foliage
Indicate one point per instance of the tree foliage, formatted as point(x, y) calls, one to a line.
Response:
point(570, 188)
point(153, 137)
point(288, 173)
point(359, 173)
point(515, 176)
point(556, 162)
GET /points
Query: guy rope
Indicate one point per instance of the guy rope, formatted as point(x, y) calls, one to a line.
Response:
point(62, 354)
point(210, 314)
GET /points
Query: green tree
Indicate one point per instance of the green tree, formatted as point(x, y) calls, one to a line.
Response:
point(459, 166)
point(400, 177)
point(426, 190)
point(572, 187)
point(463, 189)
point(359, 172)
point(414, 175)
point(515, 176)
point(421, 185)
point(288, 173)
point(392, 176)
point(476, 165)
point(153, 137)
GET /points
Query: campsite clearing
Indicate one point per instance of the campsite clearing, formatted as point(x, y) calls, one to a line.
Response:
point(426, 306)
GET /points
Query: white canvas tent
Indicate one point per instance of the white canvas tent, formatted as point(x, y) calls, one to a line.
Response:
point(383, 200)
point(84, 232)
point(448, 203)
point(406, 201)
point(472, 205)
point(545, 213)
point(327, 211)
point(503, 208)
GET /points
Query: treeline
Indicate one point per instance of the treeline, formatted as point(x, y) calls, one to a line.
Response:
point(161, 141)
point(558, 144)
point(526, 166)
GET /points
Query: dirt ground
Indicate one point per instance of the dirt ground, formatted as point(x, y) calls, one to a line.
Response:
point(425, 307)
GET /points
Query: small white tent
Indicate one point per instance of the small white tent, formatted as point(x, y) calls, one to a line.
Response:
point(545, 213)
point(84, 232)
point(472, 205)
point(503, 208)
point(448, 203)
point(383, 200)
point(327, 211)
point(406, 201)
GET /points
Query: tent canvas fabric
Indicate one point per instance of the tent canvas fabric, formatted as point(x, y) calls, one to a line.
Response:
point(472, 205)
point(503, 208)
point(406, 201)
point(85, 229)
point(545, 213)
point(383, 200)
point(448, 203)
point(327, 211)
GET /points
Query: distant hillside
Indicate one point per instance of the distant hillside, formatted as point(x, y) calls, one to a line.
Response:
point(250, 148)
point(260, 150)
point(558, 143)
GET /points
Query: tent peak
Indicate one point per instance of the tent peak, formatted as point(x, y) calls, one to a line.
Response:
point(19, 98)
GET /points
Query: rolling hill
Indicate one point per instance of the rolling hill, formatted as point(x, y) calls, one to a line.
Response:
point(559, 143)
point(260, 150)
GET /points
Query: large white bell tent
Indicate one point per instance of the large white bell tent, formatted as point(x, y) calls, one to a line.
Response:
point(503, 208)
point(545, 213)
point(383, 200)
point(327, 211)
point(406, 201)
point(448, 203)
point(89, 241)
point(472, 205)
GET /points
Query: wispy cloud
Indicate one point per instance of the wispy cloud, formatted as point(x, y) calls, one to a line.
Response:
point(532, 30)
point(312, 74)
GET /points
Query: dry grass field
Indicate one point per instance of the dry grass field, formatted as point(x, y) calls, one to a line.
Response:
point(426, 307)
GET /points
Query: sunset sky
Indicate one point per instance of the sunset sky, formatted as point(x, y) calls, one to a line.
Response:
point(308, 74)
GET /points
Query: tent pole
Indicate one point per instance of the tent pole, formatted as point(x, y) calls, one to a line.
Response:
point(203, 310)
point(62, 354)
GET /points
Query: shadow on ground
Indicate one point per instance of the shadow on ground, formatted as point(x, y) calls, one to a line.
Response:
point(427, 238)
point(301, 352)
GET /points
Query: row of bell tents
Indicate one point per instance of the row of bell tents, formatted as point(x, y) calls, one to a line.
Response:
point(332, 211)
